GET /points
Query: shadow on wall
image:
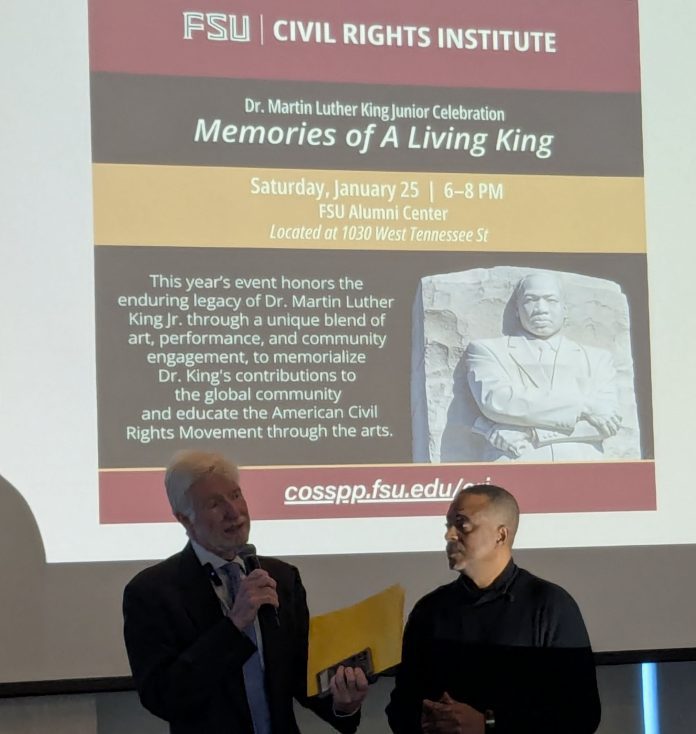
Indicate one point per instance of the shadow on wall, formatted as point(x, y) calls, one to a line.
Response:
point(23, 574)
point(59, 620)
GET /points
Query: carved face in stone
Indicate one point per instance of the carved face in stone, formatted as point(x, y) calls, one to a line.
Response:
point(540, 305)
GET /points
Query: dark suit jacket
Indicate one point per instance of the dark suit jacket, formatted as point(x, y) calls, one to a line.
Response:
point(187, 657)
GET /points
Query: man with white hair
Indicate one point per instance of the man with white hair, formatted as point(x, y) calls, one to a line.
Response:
point(542, 396)
point(203, 657)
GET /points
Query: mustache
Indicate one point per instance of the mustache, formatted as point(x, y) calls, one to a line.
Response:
point(453, 547)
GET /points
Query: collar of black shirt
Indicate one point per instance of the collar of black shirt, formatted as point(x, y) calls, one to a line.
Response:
point(500, 586)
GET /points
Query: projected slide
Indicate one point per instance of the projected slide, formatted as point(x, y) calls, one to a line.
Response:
point(372, 251)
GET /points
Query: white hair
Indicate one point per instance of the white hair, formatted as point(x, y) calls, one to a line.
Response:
point(188, 467)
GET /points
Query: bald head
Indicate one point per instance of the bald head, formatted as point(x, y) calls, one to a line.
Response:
point(502, 506)
point(481, 525)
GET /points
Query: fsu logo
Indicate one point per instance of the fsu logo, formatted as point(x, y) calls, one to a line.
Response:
point(217, 26)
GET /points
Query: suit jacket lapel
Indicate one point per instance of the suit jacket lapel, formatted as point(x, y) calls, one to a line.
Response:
point(200, 601)
point(270, 632)
point(527, 361)
point(203, 609)
point(274, 651)
point(570, 353)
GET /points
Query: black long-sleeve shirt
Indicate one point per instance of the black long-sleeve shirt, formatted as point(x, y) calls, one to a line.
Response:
point(518, 647)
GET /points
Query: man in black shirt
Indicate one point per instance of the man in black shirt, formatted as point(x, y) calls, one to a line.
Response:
point(497, 650)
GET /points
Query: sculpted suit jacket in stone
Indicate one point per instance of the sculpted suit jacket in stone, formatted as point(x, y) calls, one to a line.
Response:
point(514, 390)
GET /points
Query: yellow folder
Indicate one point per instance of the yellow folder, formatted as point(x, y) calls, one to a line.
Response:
point(374, 625)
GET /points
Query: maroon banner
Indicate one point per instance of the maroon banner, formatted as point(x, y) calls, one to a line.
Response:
point(536, 44)
point(320, 492)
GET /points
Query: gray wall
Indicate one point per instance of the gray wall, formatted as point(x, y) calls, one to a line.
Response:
point(64, 620)
point(121, 713)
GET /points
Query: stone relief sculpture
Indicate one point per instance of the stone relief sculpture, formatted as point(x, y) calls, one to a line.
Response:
point(517, 364)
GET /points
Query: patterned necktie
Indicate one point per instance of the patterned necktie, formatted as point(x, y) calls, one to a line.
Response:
point(253, 672)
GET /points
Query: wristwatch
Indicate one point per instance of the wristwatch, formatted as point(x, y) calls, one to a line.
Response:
point(489, 720)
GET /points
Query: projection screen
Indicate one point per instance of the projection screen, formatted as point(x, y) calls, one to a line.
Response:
point(303, 235)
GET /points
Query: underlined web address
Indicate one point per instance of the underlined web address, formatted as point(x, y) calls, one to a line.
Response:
point(379, 492)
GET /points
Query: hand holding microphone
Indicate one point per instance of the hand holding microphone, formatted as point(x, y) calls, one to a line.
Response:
point(256, 594)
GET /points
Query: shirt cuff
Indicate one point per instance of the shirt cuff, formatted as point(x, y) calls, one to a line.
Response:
point(343, 715)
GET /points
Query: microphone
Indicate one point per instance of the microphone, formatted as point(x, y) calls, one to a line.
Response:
point(248, 555)
point(267, 612)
